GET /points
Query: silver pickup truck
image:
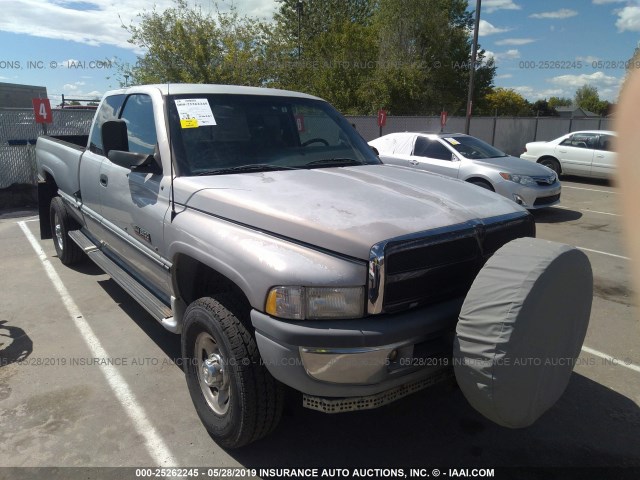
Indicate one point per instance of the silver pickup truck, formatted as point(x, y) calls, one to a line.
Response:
point(260, 226)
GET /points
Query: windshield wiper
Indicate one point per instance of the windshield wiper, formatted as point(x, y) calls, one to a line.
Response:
point(256, 167)
point(334, 161)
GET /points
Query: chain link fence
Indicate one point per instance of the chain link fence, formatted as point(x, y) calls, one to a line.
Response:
point(18, 135)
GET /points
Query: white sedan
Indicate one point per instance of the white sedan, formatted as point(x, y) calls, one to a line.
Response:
point(470, 159)
point(587, 153)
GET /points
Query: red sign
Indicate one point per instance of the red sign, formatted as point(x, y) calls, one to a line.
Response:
point(382, 118)
point(300, 122)
point(42, 110)
point(443, 119)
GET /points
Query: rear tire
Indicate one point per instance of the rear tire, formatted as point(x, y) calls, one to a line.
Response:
point(551, 163)
point(61, 223)
point(482, 183)
point(235, 396)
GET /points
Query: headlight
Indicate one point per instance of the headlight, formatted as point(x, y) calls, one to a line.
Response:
point(521, 179)
point(315, 303)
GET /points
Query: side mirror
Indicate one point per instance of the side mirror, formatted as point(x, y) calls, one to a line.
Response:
point(375, 150)
point(139, 162)
point(114, 136)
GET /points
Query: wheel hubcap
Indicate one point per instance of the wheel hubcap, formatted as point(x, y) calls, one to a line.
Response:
point(212, 373)
point(58, 231)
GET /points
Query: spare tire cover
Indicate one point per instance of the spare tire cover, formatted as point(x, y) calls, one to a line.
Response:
point(521, 329)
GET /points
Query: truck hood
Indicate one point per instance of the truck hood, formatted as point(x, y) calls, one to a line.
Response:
point(515, 165)
point(345, 210)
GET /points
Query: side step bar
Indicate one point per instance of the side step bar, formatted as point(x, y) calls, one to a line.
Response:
point(142, 295)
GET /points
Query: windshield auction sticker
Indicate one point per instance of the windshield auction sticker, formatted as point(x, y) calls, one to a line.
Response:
point(195, 112)
point(452, 141)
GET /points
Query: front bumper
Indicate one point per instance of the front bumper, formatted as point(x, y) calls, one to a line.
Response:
point(358, 358)
point(540, 196)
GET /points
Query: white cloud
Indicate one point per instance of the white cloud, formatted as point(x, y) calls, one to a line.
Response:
point(487, 28)
point(101, 22)
point(607, 85)
point(533, 94)
point(628, 19)
point(504, 76)
point(557, 14)
point(515, 41)
point(491, 6)
point(604, 2)
point(502, 56)
point(598, 79)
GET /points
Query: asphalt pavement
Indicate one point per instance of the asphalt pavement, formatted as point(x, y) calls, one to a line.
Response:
point(88, 378)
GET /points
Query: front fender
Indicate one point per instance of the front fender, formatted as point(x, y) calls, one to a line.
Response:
point(256, 261)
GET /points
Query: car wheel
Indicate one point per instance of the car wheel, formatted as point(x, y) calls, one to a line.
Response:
point(482, 183)
point(551, 163)
point(61, 223)
point(235, 396)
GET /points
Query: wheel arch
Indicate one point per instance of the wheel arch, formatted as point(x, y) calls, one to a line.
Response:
point(477, 178)
point(550, 157)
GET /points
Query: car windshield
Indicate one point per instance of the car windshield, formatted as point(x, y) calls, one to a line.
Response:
point(225, 133)
point(473, 148)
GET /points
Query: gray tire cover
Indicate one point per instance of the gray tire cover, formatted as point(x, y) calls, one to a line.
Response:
point(521, 329)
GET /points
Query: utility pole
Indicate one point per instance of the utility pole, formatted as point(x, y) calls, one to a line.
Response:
point(474, 55)
point(299, 10)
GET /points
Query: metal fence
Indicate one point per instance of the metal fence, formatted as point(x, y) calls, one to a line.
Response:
point(18, 135)
point(509, 134)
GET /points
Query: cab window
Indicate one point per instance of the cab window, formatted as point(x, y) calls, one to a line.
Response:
point(108, 111)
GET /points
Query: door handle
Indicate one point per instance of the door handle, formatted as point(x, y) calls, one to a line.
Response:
point(104, 180)
point(414, 162)
point(562, 151)
point(600, 156)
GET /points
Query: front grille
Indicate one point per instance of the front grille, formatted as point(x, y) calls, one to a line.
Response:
point(546, 200)
point(441, 265)
point(545, 181)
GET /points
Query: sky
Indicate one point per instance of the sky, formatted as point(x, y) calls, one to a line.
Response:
point(542, 48)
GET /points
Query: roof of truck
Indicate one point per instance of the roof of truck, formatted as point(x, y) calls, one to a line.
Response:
point(190, 88)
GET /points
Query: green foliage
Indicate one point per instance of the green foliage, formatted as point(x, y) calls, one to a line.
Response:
point(183, 44)
point(587, 98)
point(507, 102)
point(410, 57)
point(555, 102)
point(542, 108)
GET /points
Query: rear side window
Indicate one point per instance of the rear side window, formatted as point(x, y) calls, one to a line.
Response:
point(581, 140)
point(108, 111)
point(431, 149)
point(141, 127)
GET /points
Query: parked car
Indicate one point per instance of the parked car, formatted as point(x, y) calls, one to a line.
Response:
point(588, 153)
point(472, 160)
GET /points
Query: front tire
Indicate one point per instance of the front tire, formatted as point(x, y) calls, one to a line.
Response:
point(235, 396)
point(61, 223)
point(551, 163)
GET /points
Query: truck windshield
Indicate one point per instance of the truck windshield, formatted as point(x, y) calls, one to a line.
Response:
point(220, 134)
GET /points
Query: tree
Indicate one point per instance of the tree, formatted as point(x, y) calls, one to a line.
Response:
point(183, 44)
point(507, 102)
point(543, 109)
point(555, 102)
point(587, 98)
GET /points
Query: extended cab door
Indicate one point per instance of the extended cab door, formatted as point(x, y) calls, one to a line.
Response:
point(576, 153)
point(91, 163)
point(134, 203)
point(432, 156)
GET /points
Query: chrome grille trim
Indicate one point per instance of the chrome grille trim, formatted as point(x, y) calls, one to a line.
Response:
point(377, 254)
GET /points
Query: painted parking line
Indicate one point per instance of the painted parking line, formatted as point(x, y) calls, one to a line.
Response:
point(588, 211)
point(603, 253)
point(626, 363)
point(155, 445)
point(590, 189)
